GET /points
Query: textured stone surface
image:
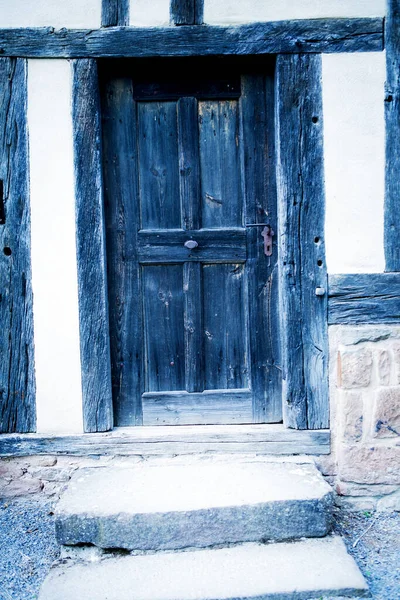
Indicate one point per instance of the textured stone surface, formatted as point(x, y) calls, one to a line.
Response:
point(386, 418)
point(388, 503)
point(351, 416)
point(368, 464)
point(355, 368)
point(301, 570)
point(153, 508)
point(20, 487)
point(384, 367)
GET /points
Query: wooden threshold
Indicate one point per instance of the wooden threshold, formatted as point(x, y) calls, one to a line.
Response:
point(185, 439)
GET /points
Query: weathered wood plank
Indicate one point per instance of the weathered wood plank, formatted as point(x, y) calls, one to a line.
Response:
point(213, 246)
point(123, 221)
point(364, 298)
point(92, 279)
point(199, 12)
point(303, 277)
point(158, 165)
point(207, 408)
point(316, 35)
point(114, 12)
point(392, 123)
point(183, 12)
point(164, 327)
point(171, 440)
point(224, 316)
point(193, 325)
point(222, 202)
point(257, 107)
point(17, 375)
point(189, 174)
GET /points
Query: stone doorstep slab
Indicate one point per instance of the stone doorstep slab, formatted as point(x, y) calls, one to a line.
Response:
point(298, 570)
point(173, 507)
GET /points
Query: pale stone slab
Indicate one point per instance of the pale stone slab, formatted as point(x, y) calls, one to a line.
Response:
point(356, 368)
point(172, 507)
point(285, 571)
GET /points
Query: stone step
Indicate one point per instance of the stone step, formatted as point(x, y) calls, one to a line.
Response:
point(193, 505)
point(313, 568)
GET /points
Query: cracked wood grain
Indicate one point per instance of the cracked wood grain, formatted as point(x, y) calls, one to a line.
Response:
point(114, 12)
point(364, 298)
point(392, 118)
point(301, 202)
point(92, 280)
point(316, 35)
point(17, 376)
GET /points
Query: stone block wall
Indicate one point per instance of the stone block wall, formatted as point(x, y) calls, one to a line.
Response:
point(365, 415)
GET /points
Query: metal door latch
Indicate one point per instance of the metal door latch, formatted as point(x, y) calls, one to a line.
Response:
point(267, 233)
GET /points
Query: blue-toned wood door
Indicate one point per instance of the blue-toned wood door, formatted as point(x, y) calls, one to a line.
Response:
point(190, 198)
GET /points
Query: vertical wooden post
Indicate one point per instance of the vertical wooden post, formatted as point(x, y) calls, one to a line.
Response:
point(114, 12)
point(92, 280)
point(187, 12)
point(17, 372)
point(392, 120)
point(303, 276)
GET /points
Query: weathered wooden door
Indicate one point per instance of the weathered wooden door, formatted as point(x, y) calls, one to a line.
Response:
point(190, 201)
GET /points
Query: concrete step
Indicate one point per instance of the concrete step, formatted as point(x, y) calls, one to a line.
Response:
point(313, 568)
point(174, 507)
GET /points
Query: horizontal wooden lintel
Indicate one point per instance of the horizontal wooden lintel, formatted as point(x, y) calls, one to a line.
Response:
point(185, 439)
point(315, 35)
point(364, 298)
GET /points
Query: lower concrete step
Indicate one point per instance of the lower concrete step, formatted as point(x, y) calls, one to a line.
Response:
point(173, 507)
point(314, 568)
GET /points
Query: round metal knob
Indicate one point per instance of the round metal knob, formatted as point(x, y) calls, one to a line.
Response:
point(320, 291)
point(190, 244)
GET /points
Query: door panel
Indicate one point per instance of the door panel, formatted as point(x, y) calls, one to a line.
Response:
point(163, 326)
point(221, 185)
point(182, 169)
point(158, 165)
point(225, 341)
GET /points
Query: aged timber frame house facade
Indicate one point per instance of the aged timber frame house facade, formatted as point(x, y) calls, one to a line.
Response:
point(187, 281)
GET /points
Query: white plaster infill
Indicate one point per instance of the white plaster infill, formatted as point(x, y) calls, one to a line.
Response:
point(234, 12)
point(53, 248)
point(73, 14)
point(354, 147)
point(155, 13)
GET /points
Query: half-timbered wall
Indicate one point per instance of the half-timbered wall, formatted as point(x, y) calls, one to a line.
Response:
point(353, 106)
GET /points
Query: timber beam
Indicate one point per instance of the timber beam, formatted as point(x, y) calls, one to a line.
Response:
point(297, 36)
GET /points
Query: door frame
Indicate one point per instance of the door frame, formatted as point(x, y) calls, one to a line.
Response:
point(301, 264)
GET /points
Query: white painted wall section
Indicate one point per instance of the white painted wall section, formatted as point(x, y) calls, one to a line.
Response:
point(54, 268)
point(149, 13)
point(233, 12)
point(73, 14)
point(353, 96)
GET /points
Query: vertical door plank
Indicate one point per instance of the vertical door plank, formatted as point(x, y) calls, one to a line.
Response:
point(159, 165)
point(226, 361)
point(17, 374)
point(257, 106)
point(114, 12)
point(194, 349)
point(122, 219)
point(220, 164)
point(164, 327)
point(91, 260)
point(189, 167)
point(301, 201)
point(392, 118)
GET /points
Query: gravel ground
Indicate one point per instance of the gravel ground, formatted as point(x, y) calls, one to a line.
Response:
point(28, 548)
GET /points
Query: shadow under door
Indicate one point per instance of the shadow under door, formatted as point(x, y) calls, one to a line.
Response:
point(190, 209)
